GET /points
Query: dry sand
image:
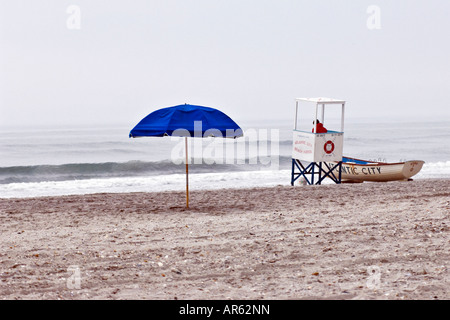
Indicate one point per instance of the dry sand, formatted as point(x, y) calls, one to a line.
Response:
point(362, 241)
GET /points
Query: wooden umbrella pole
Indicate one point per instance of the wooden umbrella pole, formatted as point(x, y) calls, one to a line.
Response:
point(187, 173)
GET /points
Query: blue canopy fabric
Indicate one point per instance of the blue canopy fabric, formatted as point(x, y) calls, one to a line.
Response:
point(187, 120)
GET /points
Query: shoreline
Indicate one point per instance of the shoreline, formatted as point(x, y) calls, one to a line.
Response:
point(181, 188)
point(352, 241)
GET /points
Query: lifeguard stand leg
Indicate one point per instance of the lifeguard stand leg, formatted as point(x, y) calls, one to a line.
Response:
point(310, 171)
point(296, 164)
point(292, 173)
point(320, 168)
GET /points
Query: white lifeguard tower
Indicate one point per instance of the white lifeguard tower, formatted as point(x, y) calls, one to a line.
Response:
point(317, 153)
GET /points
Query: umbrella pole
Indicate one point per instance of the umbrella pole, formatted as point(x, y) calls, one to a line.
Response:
point(187, 173)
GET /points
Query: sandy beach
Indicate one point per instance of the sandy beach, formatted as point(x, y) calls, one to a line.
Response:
point(360, 241)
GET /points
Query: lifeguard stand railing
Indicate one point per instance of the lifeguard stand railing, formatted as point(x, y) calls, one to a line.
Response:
point(317, 154)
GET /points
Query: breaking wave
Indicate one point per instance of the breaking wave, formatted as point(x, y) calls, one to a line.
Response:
point(83, 171)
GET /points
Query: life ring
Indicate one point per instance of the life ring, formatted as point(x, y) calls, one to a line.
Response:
point(328, 147)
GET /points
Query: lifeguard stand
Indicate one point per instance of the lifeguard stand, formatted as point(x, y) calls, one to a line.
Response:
point(317, 153)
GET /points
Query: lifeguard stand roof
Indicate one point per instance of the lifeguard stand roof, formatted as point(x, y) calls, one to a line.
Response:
point(322, 100)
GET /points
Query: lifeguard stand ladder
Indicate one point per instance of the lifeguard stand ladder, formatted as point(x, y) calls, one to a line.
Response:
point(317, 153)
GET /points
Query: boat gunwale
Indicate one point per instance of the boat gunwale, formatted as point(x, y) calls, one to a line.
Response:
point(377, 163)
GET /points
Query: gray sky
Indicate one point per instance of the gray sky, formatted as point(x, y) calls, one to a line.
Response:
point(249, 58)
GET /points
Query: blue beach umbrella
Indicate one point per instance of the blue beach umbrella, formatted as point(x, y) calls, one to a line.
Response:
point(187, 121)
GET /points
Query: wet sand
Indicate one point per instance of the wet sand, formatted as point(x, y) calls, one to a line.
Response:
point(352, 241)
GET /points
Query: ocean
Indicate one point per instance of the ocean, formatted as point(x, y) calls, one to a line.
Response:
point(83, 160)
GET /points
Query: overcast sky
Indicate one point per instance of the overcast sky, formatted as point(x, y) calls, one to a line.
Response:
point(119, 60)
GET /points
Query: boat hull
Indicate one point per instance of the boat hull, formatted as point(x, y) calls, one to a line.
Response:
point(354, 170)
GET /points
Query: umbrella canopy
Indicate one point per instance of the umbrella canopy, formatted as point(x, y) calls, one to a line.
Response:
point(187, 121)
point(179, 120)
